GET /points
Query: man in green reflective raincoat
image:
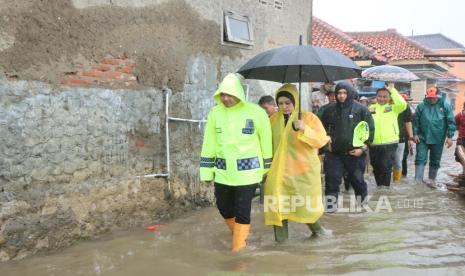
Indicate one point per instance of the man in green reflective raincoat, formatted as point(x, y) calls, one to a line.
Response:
point(236, 153)
point(433, 124)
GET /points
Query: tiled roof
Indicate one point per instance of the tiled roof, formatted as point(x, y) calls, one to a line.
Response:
point(391, 44)
point(325, 35)
point(436, 41)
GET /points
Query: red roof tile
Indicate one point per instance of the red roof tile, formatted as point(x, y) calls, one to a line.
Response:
point(393, 45)
point(325, 35)
point(382, 46)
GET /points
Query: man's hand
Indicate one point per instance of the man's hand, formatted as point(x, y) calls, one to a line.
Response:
point(416, 139)
point(410, 145)
point(356, 152)
point(449, 142)
point(389, 86)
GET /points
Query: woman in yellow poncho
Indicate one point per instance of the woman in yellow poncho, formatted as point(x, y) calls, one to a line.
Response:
point(293, 187)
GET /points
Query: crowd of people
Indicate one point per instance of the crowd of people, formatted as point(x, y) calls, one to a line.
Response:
point(245, 145)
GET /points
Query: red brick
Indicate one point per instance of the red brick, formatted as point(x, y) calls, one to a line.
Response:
point(114, 75)
point(104, 82)
point(76, 82)
point(111, 61)
point(102, 68)
point(127, 70)
point(92, 74)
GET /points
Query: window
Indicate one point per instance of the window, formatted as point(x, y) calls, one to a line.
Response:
point(237, 29)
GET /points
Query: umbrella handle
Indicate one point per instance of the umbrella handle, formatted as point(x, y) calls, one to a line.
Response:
point(300, 94)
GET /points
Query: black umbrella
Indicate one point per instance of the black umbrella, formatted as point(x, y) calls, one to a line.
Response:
point(300, 63)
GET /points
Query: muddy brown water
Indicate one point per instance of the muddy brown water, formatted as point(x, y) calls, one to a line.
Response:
point(423, 234)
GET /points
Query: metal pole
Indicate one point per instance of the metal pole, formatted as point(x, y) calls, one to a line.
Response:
point(300, 87)
point(153, 175)
point(310, 32)
point(167, 138)
point(187, 120)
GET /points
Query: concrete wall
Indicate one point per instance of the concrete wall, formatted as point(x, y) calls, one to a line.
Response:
point(82, 103)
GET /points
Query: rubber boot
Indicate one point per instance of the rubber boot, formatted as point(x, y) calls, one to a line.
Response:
point(281, 233)
point(396, 175)
point(419, 172)
point(230, 223)
point(316, 228)
point(240, 234)
point(433, 172)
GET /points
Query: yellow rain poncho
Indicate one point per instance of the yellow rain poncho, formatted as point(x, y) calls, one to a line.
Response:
point(293, 187)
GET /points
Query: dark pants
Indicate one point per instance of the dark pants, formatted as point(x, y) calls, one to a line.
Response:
point(435, 154)
point(334, 166)
point(405, 158)
point(235, 201)
point(382, 159)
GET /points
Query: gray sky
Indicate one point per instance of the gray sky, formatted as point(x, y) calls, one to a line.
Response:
point(420, 16)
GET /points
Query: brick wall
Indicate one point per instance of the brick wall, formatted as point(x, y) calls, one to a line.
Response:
point(112, 72)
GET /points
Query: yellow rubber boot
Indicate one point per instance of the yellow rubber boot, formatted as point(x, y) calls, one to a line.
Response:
point(396, 175)
point(240, 234)
point(230, 223)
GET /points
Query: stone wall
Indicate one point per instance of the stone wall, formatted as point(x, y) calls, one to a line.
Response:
point(71, 161)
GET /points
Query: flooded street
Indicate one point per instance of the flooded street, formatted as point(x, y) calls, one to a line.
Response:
point(423, 235)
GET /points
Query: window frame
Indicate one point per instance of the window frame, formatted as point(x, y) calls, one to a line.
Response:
point(228, 37)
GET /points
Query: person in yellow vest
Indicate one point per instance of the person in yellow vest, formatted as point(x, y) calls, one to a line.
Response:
point(382, 151)
point(292, 191)
point(236, 153)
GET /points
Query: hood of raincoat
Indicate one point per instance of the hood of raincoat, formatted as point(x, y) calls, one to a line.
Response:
point(231, 85)
point(291, 89)
point(351, 93)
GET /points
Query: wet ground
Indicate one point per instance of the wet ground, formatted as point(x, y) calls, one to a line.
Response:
point(415, 230)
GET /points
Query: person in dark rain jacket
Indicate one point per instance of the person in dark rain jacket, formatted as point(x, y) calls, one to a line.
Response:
point(340, 119)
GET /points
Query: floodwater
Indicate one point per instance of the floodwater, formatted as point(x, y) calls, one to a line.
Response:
point(415, 230)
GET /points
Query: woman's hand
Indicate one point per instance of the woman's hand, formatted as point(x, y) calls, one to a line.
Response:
point(299, 125)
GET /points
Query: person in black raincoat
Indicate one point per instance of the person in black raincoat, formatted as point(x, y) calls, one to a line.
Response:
point(340, 120)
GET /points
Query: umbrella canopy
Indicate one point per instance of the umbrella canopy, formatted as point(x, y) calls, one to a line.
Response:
point(389, 73)
point(300, 63)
